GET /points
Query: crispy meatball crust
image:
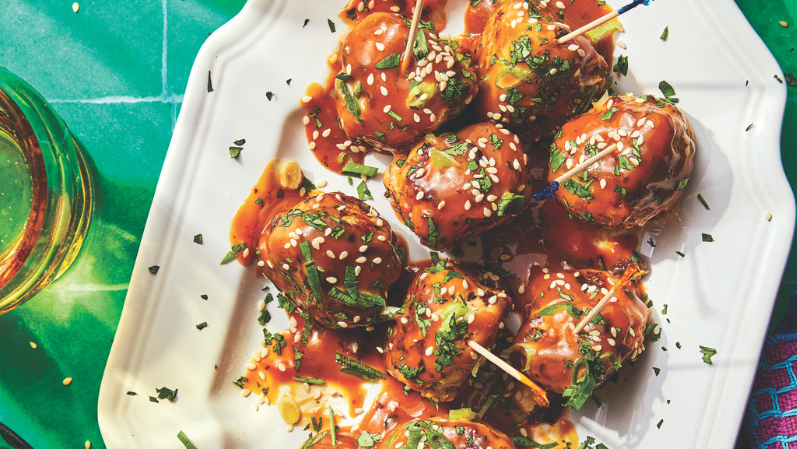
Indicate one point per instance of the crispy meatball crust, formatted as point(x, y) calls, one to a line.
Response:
point(548, 330)
point(446, 307)
point(388, 108)
point(452, 187)
point(462, 434)
point(646, 175)
point(527, 80)
point(334, 258)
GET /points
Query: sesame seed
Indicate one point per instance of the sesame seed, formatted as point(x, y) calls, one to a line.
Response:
point(417, 118)
point(419, 196)
point(381, 238)
point(306, 120)
point(467, 205)
point(581, 52)
point(429, 351)
point(573, 47)
point(380, 46)
point(370, 79)
point(383, 90)
point(344, 255)
point(487, 212)
point(377, 260)
point(357, 270)
point(332, 280)
point(597, 348)
point(361, 259)
point(330, 254)
point(441, 205)
point(307, 99)
point(326, 132)
point(67, 381)
point(419, 173)
point(342, 324)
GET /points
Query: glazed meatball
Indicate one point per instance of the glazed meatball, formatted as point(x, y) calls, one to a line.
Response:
point(645, 175)
point(526, 79)
point(549, 349)
point(386, 107)
point(333, 257)
point(452, 187)
point(427, 348)
point(439, 433)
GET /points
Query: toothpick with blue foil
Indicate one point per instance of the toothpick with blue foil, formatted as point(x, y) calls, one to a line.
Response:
point(601, 20)
point(549, 191)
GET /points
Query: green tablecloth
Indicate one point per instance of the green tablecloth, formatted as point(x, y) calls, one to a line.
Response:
point(116, 72)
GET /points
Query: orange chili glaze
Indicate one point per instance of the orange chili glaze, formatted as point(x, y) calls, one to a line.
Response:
point(576, 15)
point(317, 360)
point(356, 10)
point(253, 216)
point(322, 118)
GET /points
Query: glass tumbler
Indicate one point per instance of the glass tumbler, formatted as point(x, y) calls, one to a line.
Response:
point(46, 195)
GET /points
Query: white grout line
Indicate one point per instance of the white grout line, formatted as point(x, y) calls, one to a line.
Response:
point(164, 53)
point(172, 98)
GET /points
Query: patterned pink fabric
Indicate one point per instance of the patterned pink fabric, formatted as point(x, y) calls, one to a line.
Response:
point(771, 418)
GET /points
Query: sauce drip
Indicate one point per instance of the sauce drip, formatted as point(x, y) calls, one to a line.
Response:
point(267, 198)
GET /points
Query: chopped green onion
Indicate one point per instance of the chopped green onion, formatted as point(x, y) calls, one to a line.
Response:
point(355, 169)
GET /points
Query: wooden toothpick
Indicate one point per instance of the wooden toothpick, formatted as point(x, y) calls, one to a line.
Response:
point(539, 394)
point(601, 20)
point(594, 24)
point(416, 19)
point(629, 272)
point(584, 165)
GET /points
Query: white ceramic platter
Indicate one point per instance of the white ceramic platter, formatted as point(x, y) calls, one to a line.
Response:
point(719, 295)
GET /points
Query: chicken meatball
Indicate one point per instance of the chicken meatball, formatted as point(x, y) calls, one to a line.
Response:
point(427, 348)
point(645, 175)
point(550, 351)
point(526, 79)
point(333, 257)
point(387, 107)
point(452, 187)
point(436, 433)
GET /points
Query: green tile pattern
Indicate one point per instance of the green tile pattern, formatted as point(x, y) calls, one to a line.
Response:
point(116, 72)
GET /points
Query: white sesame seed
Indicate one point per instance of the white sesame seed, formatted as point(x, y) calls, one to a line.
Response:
point(330, 254)
point(342, 324)
point(380, 46)
point(419, 196)
point(357, 270)
point(581, 52)
point(487, 212)
point(344, 255)
point(307, 99)
point(467, 205)
point(383, 90)
point(370, 79)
